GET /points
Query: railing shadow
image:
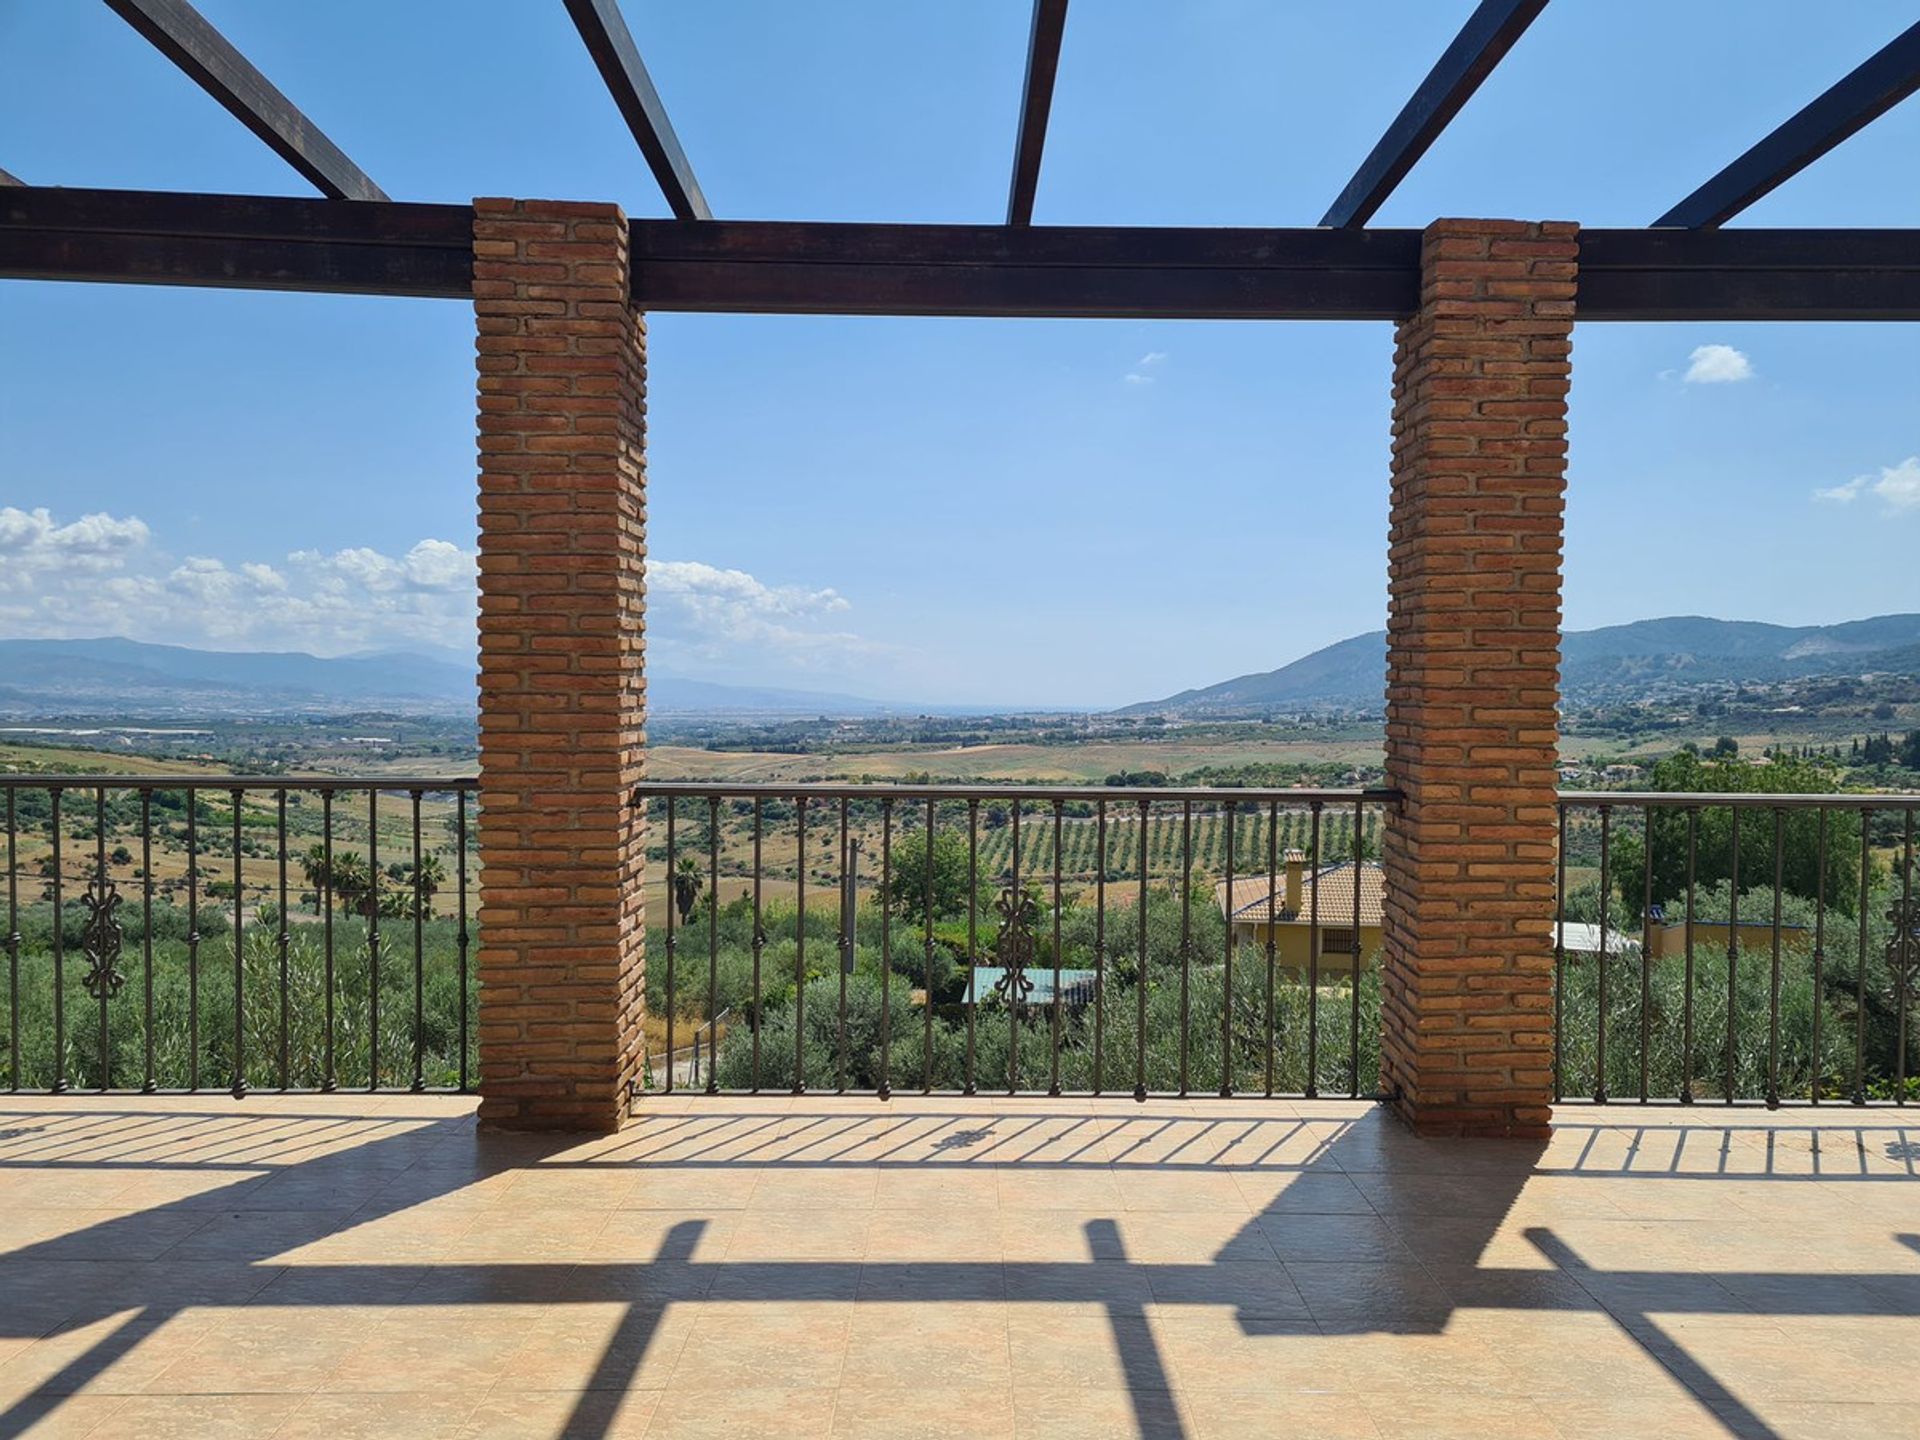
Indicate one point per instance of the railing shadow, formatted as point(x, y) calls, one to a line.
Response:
point(350, 1171)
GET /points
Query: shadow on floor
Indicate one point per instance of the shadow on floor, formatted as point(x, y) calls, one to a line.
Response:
point(1359, 1229)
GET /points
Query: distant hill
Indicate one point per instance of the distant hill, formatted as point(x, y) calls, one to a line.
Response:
point(1637, 658)
point(89, 675)
point(113, 675)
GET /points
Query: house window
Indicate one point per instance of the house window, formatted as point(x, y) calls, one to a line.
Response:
point(1336, 942)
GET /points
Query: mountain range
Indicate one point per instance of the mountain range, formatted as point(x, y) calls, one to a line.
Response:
point(1617, 660)
point(115, 675)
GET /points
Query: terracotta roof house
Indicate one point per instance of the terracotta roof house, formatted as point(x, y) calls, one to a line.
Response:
point(1301, 904)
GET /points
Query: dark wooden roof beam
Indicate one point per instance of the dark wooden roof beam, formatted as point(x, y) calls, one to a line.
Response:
point(1481, 44)
point(1874, 87)
point(618, 60)
point(185, 37)
point(1036, 105)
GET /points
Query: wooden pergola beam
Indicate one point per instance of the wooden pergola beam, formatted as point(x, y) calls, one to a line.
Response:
point(1482, 42)
point(189, 40)
point(811, 268)
point(1874, 87)
point(1036, 105)
point(618, 59)
point(8, 178)
point(248, 242)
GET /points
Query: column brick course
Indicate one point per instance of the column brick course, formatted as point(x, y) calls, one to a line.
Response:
point(1473, 656)
point(562, 433)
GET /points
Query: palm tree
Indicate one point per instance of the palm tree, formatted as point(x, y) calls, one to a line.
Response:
point(418, 885)
point(687, 882)
point(313, 866)
point(352, 884)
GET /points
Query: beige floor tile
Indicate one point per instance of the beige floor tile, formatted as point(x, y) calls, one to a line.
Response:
point(895, 1346)
point(435, 1349)
point(797, 1235)
point(61, 1417)
point(599, 1347)
point(596, 1415)
point(1459, 1417)
point(1214, 1191)
point(1051, 1414)
point(120, 1354)
point(929, 1413)
point(377, 1417)
point(742, 1412)
point(1226, 1415)
point(942, 1185)
point(935, 1234)
point(779, 1344)
point(268, 1349)
point(195, 1417)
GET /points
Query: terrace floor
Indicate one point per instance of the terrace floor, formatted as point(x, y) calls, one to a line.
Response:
point(355, 1266)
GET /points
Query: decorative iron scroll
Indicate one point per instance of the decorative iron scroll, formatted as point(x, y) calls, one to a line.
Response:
point(1903, 946)
point(101, 938)
point(1016, 946)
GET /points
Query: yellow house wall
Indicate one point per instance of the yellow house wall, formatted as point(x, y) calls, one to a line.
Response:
point(1291, 948)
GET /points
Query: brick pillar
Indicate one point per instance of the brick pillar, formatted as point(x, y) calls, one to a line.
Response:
point(1473, 656)
point(562, 361)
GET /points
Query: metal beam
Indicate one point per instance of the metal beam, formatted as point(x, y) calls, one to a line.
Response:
point(1036, 105)
point(853, 269)
point(1874, 87)
point(236, 241)
point(618, 59)
point(811, 268)
point(1482, 42)
point(184, 36)
point(1749, 275)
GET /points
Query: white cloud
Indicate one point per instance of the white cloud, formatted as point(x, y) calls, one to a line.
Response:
point(1149, 361)
point(1897, 485)
point(1717, 365)
point(1134, 377)
point(31, 543)
point(704, 612)
point(102, 575)
point(1152, 357)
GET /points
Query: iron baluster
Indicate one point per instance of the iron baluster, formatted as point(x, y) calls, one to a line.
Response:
point(419, 953)
point(461, 938)
point(281, 942)
point(101, 937)
point(1053, 1083)
point(926, 1006)
point(373, 939)
point(329, 1072)
point(713, 944)
point(759, 942)
point(239, 956)
point(1141, 979)
point(1353, 994)
point(676, 889)
point(149, 1080)
point(59, 957)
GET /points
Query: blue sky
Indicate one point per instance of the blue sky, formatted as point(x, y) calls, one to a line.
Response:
point(991, 512)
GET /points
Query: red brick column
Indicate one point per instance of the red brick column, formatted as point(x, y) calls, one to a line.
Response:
point(1473, 656)
point(562, 697)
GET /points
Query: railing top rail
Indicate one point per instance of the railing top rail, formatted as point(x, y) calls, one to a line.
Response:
point(1684, 799)
point(362, 783)
point(1221, 794)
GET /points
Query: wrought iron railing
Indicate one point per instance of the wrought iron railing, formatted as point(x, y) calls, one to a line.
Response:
point(189, 932)
point(1103, 940)
point(1736, 948)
